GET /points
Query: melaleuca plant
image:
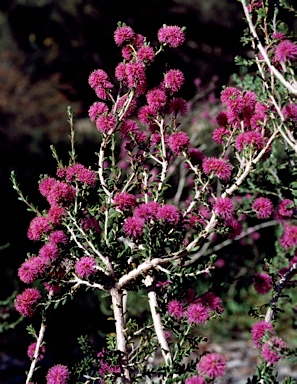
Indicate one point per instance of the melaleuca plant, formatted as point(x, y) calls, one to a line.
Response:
point(152, 212)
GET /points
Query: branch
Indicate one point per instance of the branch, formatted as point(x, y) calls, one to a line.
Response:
point(36, 353)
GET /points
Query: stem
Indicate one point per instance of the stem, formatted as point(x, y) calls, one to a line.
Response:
point(36, 353)
point(117, 304)
point(152, 298)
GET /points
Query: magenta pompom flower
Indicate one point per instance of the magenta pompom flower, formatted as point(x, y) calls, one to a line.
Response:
point(156, 98)
point(123, 35)
point(147, 211)
point(220, 135)
point(173, 80)
point(175, 309)
point(212, 365)
point(197, 314)
point(146, 54)
point(31, 269)
point(286, 50)
point(85, 267)
point(289, 237)
point(263, 207)
point(106, 123)
point(78, 172)
point(219, 167)
point(285, 209)
point(249, 139)
point(259, 330)
point(134, 226)
point(224, 207)
point(168, 214)
point(290, 111)
point(38, 226)
point(49, 252)
point(171, 35)
point(195, 380)
point(179, 142)
point(97, 109)
point(124, 201)
point(262, 283)
point(31, 351)
point(178, 105)
point(58, 374)
point(272, 350)
point(25, 302)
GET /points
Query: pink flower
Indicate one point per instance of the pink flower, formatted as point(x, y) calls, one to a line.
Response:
point(120, 72)
point(218, 167)
point(61, 193)
point(285, 209)
point(224, 207)
point(220, 135)
point(125, 201)
point(134, 226)
point(197, 314)
point(286, 50)
point(156, 98)
point(229, 93)
point(195, 380)
point(222, 119)
point(46, 185)
point(262, 283)
point(271, 350)
point(146, 54)
point(178, 105)
point(123, 35)
point(212, 365)
point(136, 78)
point(49, 252)
point(234, 226)
point(106, 123)
point(147, 211)
point(78, 172)
point(289, 237)
point(211, 301)
point(38, 226)
point(128, 128)
point(58, 237)
point(25, 302)
point(31, 269)
point(31, 351)
point(246, 139)
point(146, 114)
point(175, 309)
point(290, 111)
point(98, 78)
point(178, 142)
point(263, 207)
point(58, 374)
point(168, 214)
point(97, 109)
point(259, 330)
point(55, 214)
point(173, 80)
point(171, 35)
point(85, 267)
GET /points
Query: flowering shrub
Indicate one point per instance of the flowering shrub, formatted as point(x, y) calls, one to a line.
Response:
point(127, 224)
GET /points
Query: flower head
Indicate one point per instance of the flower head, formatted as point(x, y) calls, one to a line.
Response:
point(123, 35)
point(31, 351)
point(285, 209)
point(134, 226)
point(156, 98)
point(178, 142)
point(175, 309)
point(224, 207)
point(173, 80)
point(212, 365)
point(197, 313)
point(263, 207)
point(272, 350)
point(262, 283)
point(171, 35)
point(146, 54)
point(38, 226)
point(25, 302)
point(147, 211)
point(97, 109)
point(178, 105)
point(124, 201)
point(286, 50)
point(259, 330)
point(31, 269)
point(85, 267)
point(220, 167)
point(58, 374)
point(289, 237)
point(168, 214)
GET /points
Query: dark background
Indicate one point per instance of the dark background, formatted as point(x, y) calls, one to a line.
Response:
point(47, 50)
